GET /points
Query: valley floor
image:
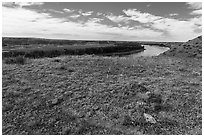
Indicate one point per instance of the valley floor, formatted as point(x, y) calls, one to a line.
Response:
point(101, 95)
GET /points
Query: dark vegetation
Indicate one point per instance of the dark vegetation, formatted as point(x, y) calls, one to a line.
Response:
point(37, 48)
point(15, 60)
point(54, 51)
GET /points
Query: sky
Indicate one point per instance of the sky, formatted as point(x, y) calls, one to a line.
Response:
point(126, 21)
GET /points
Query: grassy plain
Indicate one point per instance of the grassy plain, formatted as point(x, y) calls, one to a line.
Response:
point(101, 95)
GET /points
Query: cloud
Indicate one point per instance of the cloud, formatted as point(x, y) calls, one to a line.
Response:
point(173, 14)
point(171, 28)
point(55, 11)
point(176, 28)
point(122, 33)
point(22, 22)
point(141, 17)
point(29, 23)
point(21, 4)
point(117, 19)
point(196, 12)
point(68, 10)
point(194, 5)
point(85, 13)
point(197, 21)
point(95, 20)
point(8, 4)
point(99, 13)
point(74, 16)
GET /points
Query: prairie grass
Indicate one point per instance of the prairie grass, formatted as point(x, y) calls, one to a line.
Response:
point(44, 49)
point(104, 95)
point(15, 60)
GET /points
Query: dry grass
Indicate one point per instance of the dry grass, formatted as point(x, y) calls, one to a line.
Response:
point(15, 60)
point(101, 95)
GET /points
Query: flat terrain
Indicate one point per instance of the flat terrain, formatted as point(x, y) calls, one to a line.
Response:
point(39, 48)
point(102, 95)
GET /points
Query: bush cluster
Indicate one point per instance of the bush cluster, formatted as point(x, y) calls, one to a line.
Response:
point(15, 60)
point(56, 51)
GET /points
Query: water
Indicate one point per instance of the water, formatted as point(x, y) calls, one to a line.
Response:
point(150, 51)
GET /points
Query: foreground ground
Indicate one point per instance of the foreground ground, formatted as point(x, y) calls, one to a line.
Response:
point(101, 95)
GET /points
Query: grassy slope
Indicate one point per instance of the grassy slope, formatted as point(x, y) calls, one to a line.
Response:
point(96, 95)
point(191, 48)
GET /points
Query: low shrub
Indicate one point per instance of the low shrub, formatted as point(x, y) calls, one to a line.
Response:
point(15, 60)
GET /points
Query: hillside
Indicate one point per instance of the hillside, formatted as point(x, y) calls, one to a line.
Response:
point(191, 48)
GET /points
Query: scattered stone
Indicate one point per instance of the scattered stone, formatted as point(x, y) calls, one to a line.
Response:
point(56, 101)
point(149, 118)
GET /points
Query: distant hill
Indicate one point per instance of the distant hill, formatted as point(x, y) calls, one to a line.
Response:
point(191, 48)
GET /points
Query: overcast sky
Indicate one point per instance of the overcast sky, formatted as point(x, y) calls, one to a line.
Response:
point(103, 21)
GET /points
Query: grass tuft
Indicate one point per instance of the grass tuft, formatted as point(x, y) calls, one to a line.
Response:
point(15, 60)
